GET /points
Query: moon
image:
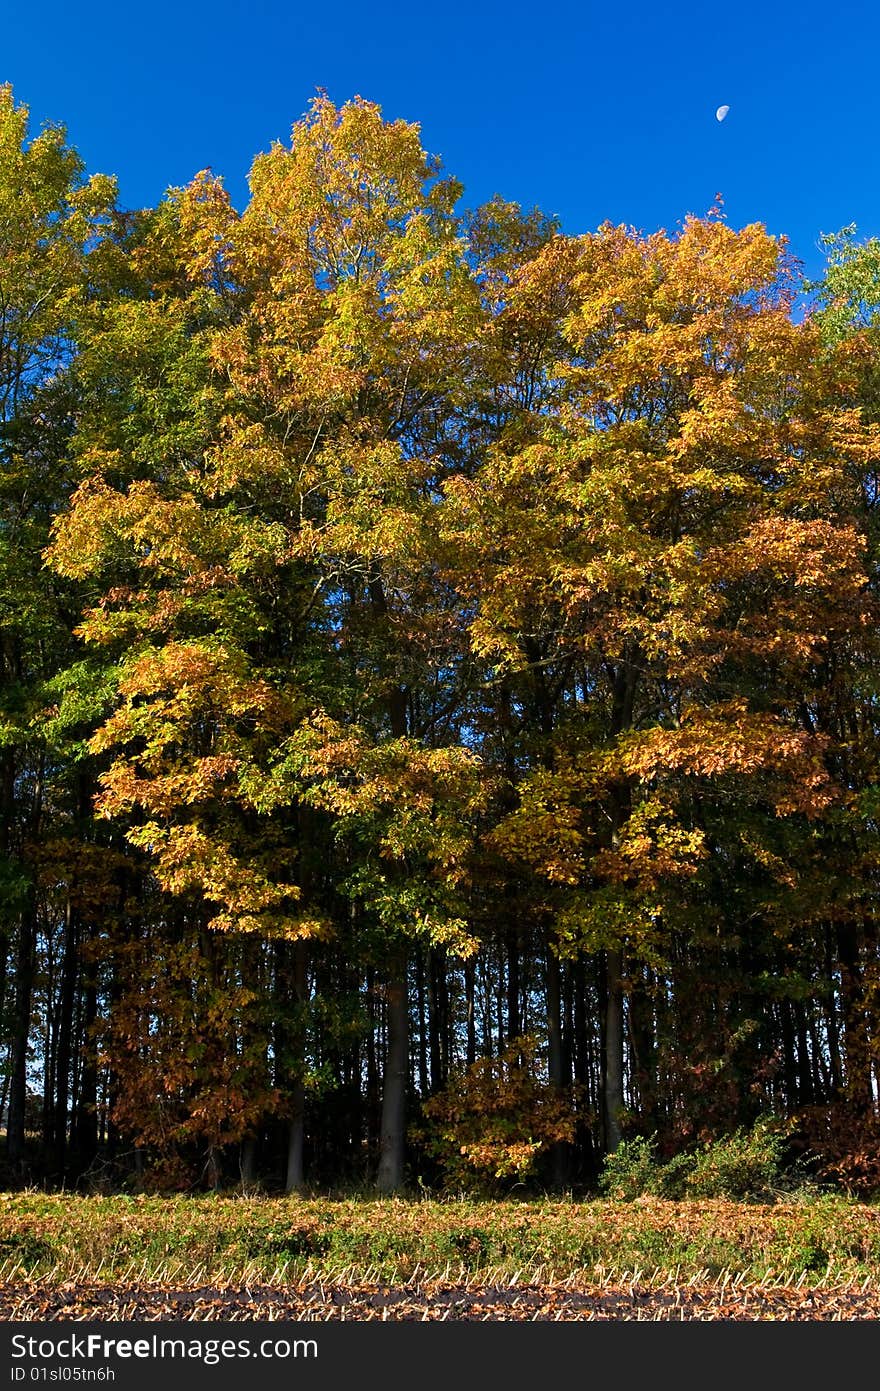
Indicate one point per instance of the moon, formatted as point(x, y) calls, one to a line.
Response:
point(721, 113)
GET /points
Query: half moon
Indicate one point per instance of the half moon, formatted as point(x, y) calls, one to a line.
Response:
point(721, 113)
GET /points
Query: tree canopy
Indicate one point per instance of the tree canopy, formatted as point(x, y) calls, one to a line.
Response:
point(439, 674)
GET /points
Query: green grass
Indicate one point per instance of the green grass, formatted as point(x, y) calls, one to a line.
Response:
point(220, 1239)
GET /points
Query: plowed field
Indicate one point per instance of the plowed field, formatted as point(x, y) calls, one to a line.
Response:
point(316, 1301)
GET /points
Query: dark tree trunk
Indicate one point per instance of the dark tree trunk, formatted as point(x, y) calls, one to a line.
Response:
point(247, 1161)
point(644, 1048)
point(806, 1089)
point(7, 914)
point(786, 1038)
point(84, 1127)
point(21, 1021)
point(470, 1019)
point(500, 998)
point(435, 1023)
point(580, 1040)
point(614, 1098)
point(554, 1020)
point(392, 1128)
point(555, 1062)
point(858, 1069)
point(623, 697)
point(294, 1178)
point(373, 1087)
point(514, 1023)
point(835, 1058)
point(423, 1008)
point(69, 972)
point(393, 1125)
point(438, 1018)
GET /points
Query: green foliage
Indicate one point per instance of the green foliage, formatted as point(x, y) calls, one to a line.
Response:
point(631, 1170)
point(849, 294)
point(745, 1164)
point(742, 1165)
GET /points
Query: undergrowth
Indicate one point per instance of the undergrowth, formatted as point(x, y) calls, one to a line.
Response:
point(216, 1239)
point(745, 1165)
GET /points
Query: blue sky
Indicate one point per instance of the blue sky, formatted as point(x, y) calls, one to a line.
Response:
point(591, 111)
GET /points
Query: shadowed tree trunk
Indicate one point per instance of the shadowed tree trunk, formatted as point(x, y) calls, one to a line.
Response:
point(621, 719)
point(24, 983)
point(294, 1180)
point(470, 1012)
point(391, 1138)
point(559, 1151)
point(69, 969)
point(614, 1099)
point(84, 1125)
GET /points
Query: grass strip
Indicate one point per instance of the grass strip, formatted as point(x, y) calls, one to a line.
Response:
point(206, 1240)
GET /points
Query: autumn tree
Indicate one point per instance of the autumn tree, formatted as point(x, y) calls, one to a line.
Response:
point(660, 562)
point(261, 523)
point(51, 218)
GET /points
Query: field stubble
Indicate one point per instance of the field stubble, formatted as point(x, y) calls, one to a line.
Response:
point(252, 1258)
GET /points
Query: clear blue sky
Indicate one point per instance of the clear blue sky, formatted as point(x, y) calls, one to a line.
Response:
point(590, 111)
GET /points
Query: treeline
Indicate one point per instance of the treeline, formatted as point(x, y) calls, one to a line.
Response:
point(439, 714)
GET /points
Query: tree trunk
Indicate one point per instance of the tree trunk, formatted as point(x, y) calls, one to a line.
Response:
point(294, 1178)
point(644, 1048)
point(806, 1087)
point(393, 1121)
point(247, 1161)
point(392, 1132)
point(69, 971)
point(470, 1022)
point(614, 1099)
point(438, 1018)
point(514, 1024)
point(558, 1152)
point(858, 1070)
point(84, 1127)
point(24, 980)
point(422, 1015)
point(622, 705)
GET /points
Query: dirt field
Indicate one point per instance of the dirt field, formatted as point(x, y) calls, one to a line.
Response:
point(317, 1301)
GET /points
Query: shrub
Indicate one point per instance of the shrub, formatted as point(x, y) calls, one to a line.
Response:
point(491, 1123)
point(673, 1176)
point(632, 1170)
point(745, 1164)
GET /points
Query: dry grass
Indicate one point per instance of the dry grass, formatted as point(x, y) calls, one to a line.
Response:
point(241, 1258)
